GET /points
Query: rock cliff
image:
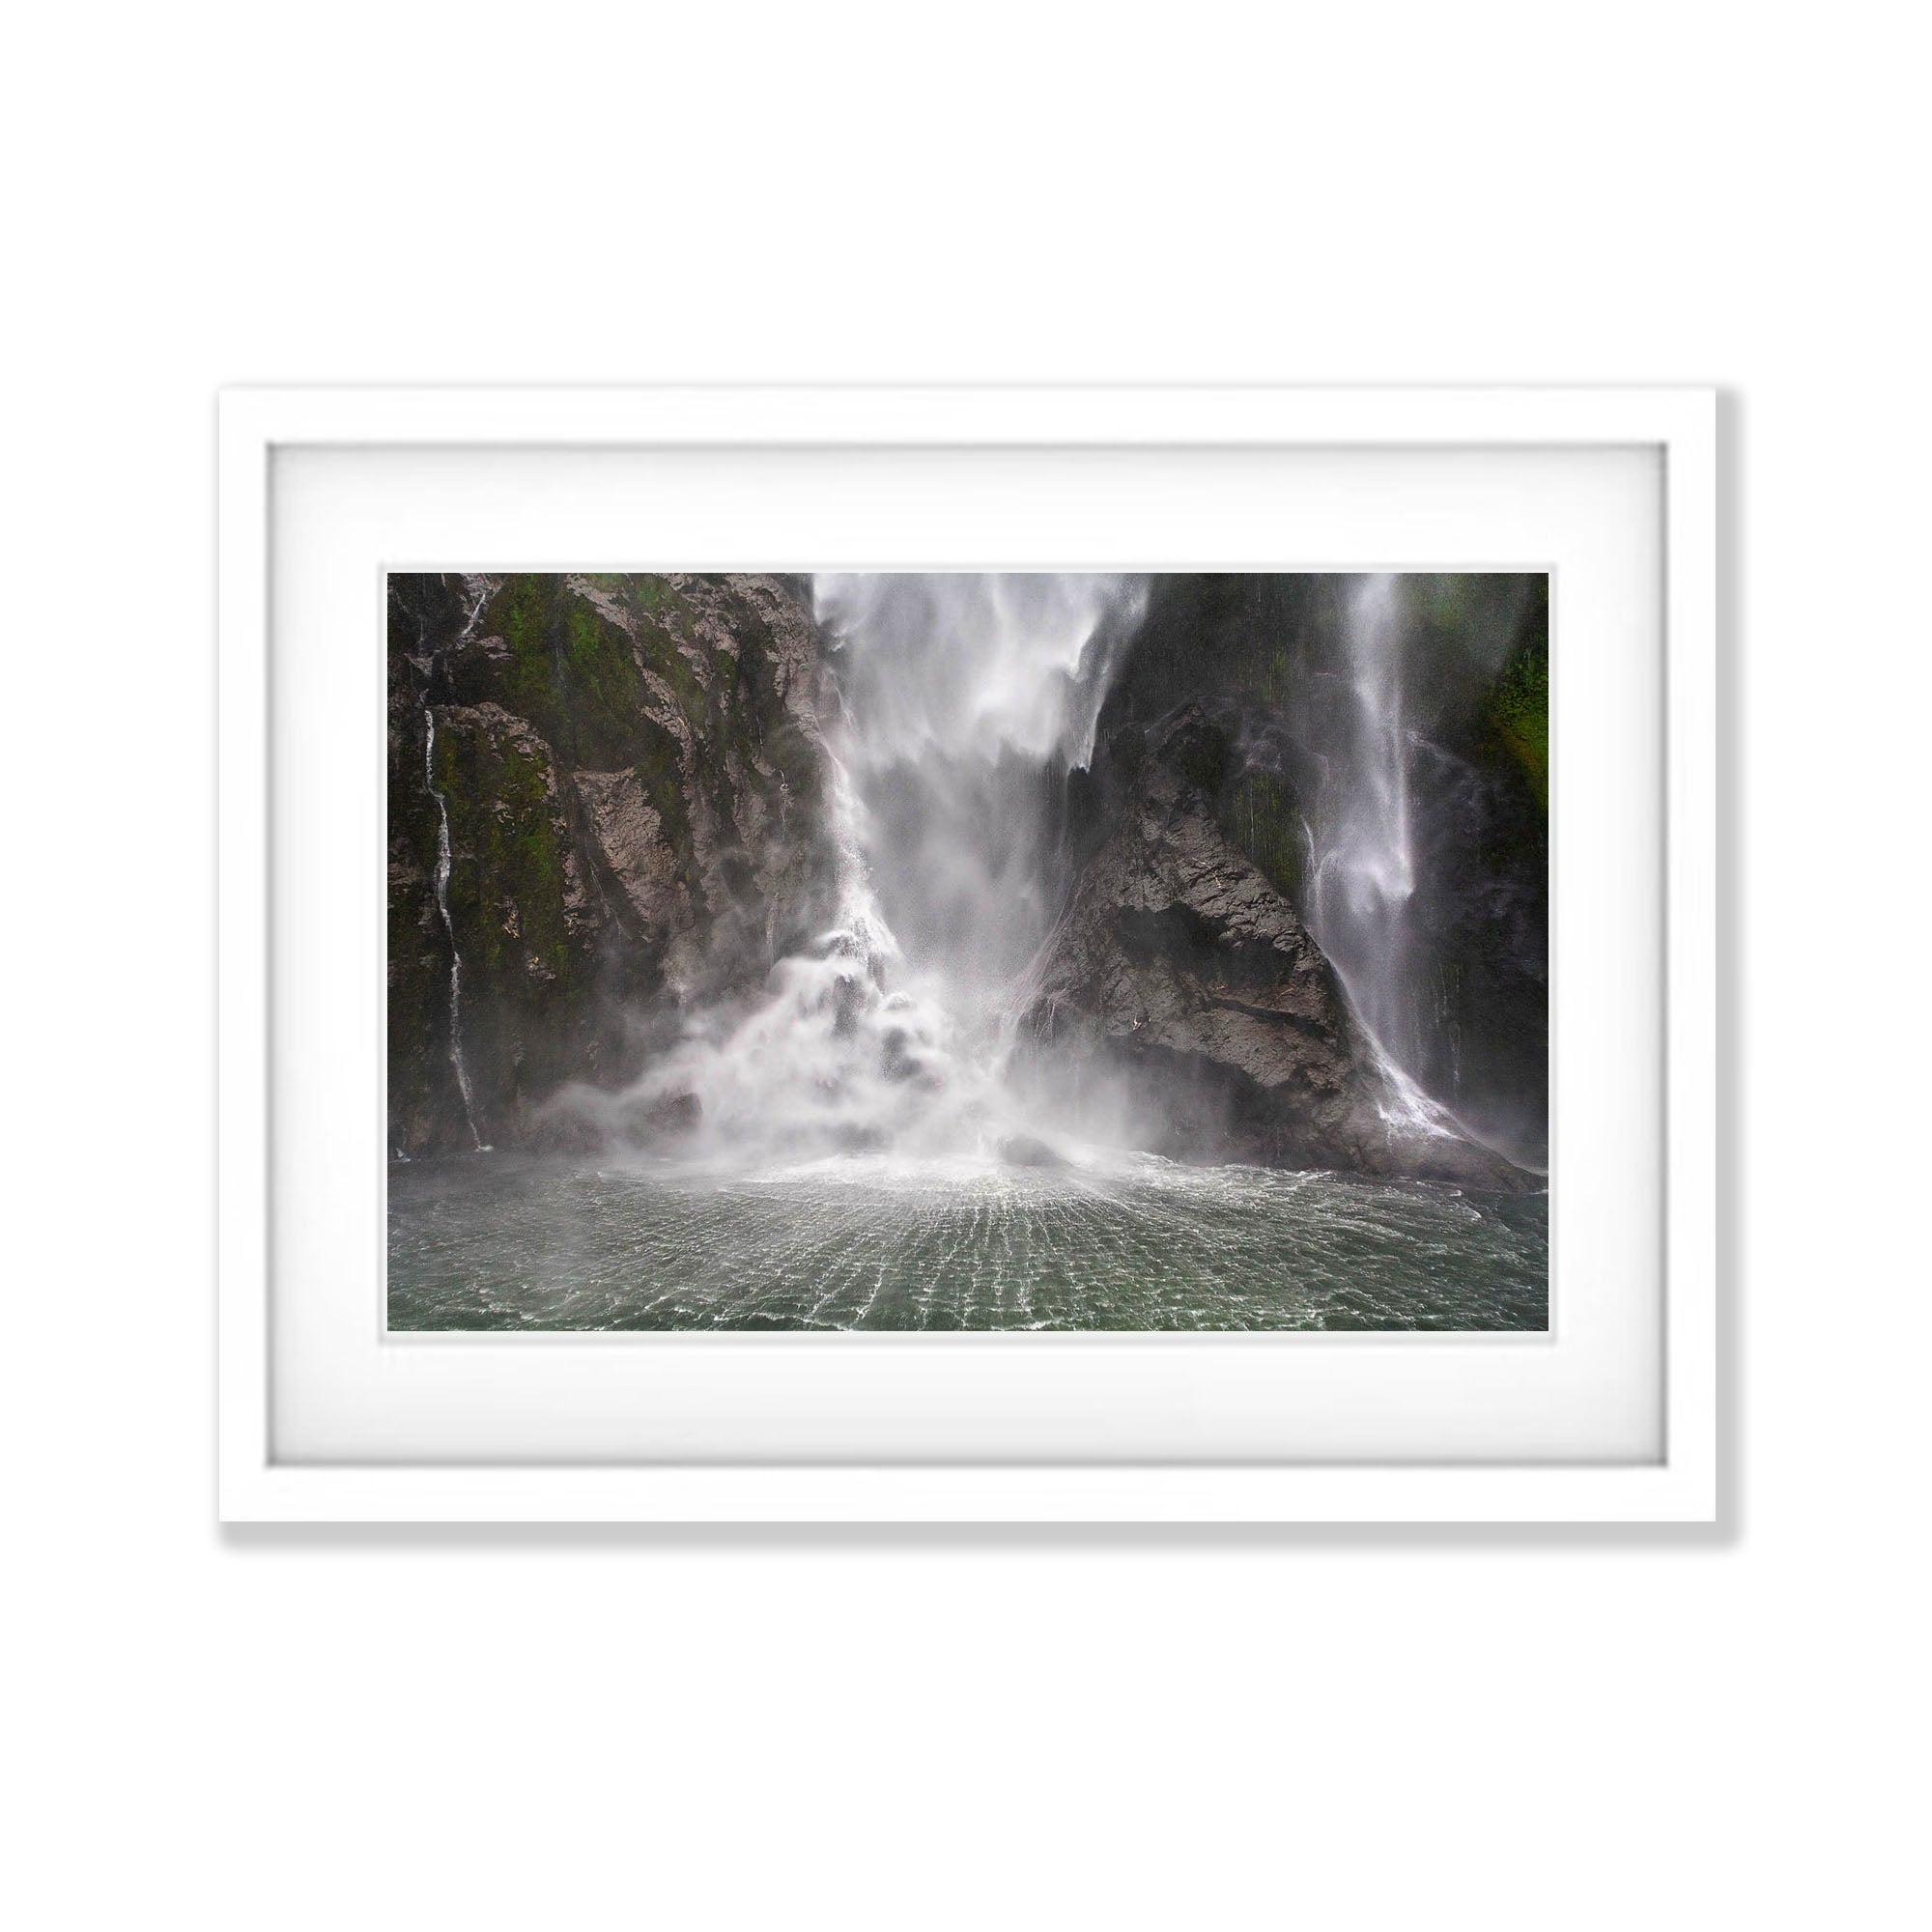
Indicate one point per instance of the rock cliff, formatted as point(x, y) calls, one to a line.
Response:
point(632, 779)
point(1189, 976)
point(1266, 656)
point(609, 810)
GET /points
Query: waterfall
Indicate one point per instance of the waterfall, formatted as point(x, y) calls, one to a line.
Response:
point(441, 881)
point(960, 697)
point(966, 699)
point(859, 927)
point(479, 589)
point(1362, 830)
point(846, 1050)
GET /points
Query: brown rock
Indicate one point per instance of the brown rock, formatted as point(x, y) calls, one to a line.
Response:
point(1179, 968)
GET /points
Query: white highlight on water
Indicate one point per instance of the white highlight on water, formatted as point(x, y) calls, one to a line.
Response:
point(442, 880)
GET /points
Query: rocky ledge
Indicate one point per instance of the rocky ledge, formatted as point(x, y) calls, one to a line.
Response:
point(1183, 974)
point(633, 776)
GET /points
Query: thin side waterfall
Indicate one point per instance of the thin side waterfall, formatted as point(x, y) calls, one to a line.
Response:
point(1364, 849)
point(479, 589)
point(442, 865)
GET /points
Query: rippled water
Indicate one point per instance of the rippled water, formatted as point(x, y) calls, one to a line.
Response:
point(878, 1242)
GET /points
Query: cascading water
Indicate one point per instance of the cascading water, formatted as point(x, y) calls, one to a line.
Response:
point(479, 589)
point(1363, 878)
point(963, 697)
point(957, 696)
point(846, 1051)
point(444, 863)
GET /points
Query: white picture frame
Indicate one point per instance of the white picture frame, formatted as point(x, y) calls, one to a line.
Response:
point(1678, 1484)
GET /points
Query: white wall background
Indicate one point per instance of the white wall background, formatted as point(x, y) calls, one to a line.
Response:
point(599, 1729)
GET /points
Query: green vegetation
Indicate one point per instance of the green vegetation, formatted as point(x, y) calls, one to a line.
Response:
point(508, 837)
point(1261, 813)
point(557, 676)
point(661, 650)
point(572, 673)
point(661, 774)
point(1517, 718)
point(1520, 715)
point(1469, 619)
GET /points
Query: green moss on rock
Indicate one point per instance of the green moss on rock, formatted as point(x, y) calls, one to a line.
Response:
point(554, 684)
point(1262, 816)
point(507, 834)
point(1520, 715)
point(571, 671)
point(661, 773)
point(1516, 720)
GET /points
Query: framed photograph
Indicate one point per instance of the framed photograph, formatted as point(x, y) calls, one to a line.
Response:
point(968, 954)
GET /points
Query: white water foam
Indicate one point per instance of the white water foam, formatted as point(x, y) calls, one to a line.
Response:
point(947, 684)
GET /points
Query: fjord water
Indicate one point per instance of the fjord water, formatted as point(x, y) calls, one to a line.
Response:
point(965, 1242)
point(859, 1157)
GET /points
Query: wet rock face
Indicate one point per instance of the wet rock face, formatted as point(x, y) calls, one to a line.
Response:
point(634, 775)
point(1184, 972)
point(1267, 656)
point(630, 845)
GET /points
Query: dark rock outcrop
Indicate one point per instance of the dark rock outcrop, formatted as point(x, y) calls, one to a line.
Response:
point(1265, 656)
point(1180, 969)
point(634, 778)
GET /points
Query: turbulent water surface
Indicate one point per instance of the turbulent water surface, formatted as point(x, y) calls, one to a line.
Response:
point(963, 1242)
